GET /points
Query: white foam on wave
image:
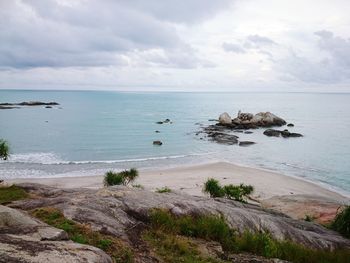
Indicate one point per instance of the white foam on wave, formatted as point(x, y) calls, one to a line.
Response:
point(39, 158)
point(52, 158)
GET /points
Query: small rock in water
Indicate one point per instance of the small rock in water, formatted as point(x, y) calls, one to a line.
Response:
point(48, 107)
point(290, 125)
point(248, 132)
point(246, 143)
point(157, 131)
point(159, 122)
point(167, 120)
point(157, 143)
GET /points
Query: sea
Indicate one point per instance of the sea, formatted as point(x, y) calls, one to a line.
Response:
point(91, 132)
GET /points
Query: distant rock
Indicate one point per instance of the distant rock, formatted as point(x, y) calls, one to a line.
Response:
point(157, 143)
point(245, 143)
point(261, 119)
point(48, 107)
point(225, 118)
point(290, 125)
point(223, 138)
point(272, 132)
point(7, 105)
point(248, 132)
point(159, 122)
point(284, 133)
point(157, 131)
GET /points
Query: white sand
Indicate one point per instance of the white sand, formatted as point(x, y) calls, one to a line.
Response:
point(190, 180)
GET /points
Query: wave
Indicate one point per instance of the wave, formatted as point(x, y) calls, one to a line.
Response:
point(296, 166)
point(49, 158)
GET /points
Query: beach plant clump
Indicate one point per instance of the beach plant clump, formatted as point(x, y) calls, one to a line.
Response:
point(11, 193)
point(235, 192)
point(122, 178)
point(4, 150)
point(168, 230)
point(341, 222)
point(83, 234)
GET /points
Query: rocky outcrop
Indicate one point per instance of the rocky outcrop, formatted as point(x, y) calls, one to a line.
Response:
point(225, 119)
point(284, 133)
point(7, 105)
point(261, 119)
point(25, 239)
point(116, 210)
point(223, 138)
point(159, 143)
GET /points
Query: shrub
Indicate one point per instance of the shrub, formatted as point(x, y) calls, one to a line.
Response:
point(4, 150)
point(235, 192)
point(121, 178)
point(163, 190)
point(213, 188)
point(341, 222)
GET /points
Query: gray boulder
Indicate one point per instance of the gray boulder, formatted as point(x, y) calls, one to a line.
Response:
point(26, 239)
point(225, 118)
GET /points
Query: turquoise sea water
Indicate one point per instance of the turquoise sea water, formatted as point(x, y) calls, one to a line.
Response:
point(94, 131)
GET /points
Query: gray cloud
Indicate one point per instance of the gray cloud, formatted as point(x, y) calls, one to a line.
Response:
point(329, 69)
point(232, 47)
point(258, 41)
point(96, 33)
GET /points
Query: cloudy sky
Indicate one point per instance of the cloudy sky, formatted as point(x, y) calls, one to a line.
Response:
point(184, 45)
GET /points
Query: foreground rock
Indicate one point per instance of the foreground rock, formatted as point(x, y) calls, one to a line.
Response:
point(116, 210)
point(25, 239)
point(225, 118)
point(284, 133)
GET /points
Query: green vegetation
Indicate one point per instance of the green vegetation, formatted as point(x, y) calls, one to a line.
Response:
point(176, 249)
point(83, 234)
point(4, 150)
point(164, 189)
point(121, 178)
point(235, 192)
point(214, 228)
point(11, 193)
point(341, 222)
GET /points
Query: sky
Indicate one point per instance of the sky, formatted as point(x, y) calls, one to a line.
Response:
point(183, 45)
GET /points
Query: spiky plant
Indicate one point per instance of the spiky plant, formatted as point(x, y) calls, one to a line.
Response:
point(4, 150)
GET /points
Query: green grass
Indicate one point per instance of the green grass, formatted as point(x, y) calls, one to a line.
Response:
point(11, 193)
point(122, 178)
point(175, 249)
point(163, 190)
point(234, 192)
point(341, 223)
point(216, 229)
point(83, 234)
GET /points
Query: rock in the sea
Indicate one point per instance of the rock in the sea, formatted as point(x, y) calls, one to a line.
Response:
point(157, 143)
point(284, 133)
point(245, 143)
point(290, 125)
point(117, 209)
point(159, 122)
point(48, 107)
point(225, 118)
point(223, 138)
point(248, 132)
point(272, 132)
point(26, 239)
point(261, 119)
point(157, 131)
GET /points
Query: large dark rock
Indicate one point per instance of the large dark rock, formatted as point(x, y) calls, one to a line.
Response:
point(284, 133)
point(223, 138)
point(116, 210)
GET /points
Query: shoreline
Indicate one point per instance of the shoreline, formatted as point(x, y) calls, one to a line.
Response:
point(200, 174)
point(292, 196)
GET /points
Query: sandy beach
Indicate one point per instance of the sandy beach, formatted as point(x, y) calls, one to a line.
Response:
point(295, 197)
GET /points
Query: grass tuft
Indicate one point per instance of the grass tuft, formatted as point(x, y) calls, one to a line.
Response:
point(11, 193)
point(122, 178)
point(215, 228)
point(341, 222)
point(164, 189)
point(83, 234)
